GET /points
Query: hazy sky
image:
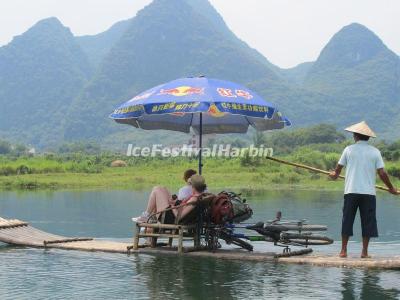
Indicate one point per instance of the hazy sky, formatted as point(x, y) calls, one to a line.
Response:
point(287, 32)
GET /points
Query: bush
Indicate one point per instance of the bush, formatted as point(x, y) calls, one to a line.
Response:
point(84, 167)
point(390, 151)
point(394, 171)
point(246, 160)
point(286, 141)
point(293, 178)
point(23, 169)
point(331, 160)
point(7, 171)
point(311, 158)
point(278, 178)
point(80, 147)
point(290, 178)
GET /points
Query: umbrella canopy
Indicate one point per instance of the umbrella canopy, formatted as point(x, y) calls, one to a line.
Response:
point(203, 104)
point(176, 105)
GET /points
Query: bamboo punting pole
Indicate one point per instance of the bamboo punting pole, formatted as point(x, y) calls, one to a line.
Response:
point(314, 170)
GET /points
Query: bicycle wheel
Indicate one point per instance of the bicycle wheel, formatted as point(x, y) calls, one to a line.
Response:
point(306, 239)
point(241, 243)
point(235, 241)
point(303, 227)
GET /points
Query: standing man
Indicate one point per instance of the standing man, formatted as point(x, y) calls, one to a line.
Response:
point(362, 161)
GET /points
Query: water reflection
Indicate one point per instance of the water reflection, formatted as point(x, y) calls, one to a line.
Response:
point(203, 278)
point(368, 285)
point(195, 278)
point(37, 274)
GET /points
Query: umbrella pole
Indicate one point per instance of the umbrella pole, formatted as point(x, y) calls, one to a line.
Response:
point(201, 143)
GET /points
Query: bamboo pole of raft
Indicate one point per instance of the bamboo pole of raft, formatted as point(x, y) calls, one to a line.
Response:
point(66, 240)
point(314, 170)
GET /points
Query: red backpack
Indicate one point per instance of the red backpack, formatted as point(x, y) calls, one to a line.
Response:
point(221, 209)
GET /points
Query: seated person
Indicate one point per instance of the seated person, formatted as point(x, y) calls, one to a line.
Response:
point(160, 199)
point(186, 191)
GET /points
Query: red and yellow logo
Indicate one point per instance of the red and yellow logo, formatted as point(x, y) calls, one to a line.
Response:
point(182, 91)
point(214, 111)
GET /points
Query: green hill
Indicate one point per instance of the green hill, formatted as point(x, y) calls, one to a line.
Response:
point(297, 74)
point(57, 88)
point(41, 72)
point(96, 47)
point(361, 76)
point(168, 39)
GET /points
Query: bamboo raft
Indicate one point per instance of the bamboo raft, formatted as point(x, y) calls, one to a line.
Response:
point(19, 233)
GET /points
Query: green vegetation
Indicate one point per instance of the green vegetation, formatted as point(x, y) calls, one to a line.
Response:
point(48, 172)
point(6, 148)
point(50, 164)
point(318, 146)
point(324, 135)
point(51, 173)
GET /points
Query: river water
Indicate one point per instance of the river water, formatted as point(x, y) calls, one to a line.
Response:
point(57, 274)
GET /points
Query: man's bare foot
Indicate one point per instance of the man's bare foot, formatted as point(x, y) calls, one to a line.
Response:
point(364, 254)
point(343, 254)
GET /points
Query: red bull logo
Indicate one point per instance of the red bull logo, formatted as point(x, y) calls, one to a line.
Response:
point(214, 111)
point(182, 91)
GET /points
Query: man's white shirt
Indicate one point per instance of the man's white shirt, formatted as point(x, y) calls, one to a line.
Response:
point(361, 161)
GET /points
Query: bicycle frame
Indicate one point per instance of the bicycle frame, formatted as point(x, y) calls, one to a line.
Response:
point(280, 233)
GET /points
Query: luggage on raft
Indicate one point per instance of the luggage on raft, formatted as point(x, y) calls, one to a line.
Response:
point(229, 207)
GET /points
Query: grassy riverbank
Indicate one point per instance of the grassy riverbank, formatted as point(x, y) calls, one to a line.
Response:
point(83, 166)
point(168, 175)
point(219, 173)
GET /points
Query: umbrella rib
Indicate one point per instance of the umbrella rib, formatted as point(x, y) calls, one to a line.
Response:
point(248, 121)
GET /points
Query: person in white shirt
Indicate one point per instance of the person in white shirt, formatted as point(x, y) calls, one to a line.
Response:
point(186, 191)
point(362, 162)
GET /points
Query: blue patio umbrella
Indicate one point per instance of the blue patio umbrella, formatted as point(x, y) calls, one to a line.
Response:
point(202, 104)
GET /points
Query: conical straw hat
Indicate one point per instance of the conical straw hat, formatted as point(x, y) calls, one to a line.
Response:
point(361, 128)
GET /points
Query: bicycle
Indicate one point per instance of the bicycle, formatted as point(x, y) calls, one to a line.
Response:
point(280, 232)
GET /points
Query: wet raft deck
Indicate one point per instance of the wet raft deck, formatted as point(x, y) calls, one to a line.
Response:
point(16, 232)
